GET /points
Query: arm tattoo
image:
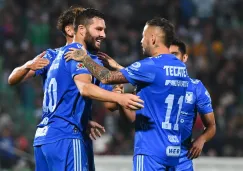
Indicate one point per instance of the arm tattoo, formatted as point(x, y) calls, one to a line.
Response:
point(102, 73)
point(77, 54)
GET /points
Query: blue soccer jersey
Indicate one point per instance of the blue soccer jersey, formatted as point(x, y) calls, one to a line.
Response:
point(65, 111)
point(197, 100)
point(161, 82)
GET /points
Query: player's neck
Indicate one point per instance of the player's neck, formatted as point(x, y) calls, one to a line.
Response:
point(69, 40)
point(160, 50)
point(77, 39)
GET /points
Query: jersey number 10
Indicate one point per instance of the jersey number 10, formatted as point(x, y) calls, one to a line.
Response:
point(51, 92)
point(170, 101)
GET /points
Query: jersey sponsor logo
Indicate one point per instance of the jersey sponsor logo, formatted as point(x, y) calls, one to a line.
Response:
point(136, 65)
point(175, 71)
point(173, 139)
point(80, 65)
point(189, 97)
point(41, 131)
point(173, 151)
point(176, 83)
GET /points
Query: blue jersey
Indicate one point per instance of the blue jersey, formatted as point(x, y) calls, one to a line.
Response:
point(50, 55)
point(197, 100)
point(65, 111)
point(161, 82)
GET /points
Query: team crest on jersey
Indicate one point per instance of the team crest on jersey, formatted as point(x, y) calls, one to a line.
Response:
point(189, 97)
point(80, 65)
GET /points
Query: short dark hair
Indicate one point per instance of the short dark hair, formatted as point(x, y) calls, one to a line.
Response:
point(67, 17)
point(180, 44)
point(84, 17)
point(166, 26)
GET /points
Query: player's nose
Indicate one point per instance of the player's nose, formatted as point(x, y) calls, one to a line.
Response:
point(102, 34)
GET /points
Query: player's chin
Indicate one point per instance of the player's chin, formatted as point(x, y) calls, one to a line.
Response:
point(97, 46)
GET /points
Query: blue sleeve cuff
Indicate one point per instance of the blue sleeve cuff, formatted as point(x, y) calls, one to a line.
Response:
point(206, 111)
point(80, 72)
point(126, 75)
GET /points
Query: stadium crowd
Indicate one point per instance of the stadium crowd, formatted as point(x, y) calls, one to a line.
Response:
point(211, 28)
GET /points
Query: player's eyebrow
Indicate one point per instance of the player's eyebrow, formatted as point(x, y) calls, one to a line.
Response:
point(175, 53)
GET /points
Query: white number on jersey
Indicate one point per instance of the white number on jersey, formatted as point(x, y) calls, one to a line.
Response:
point(170, 101)
point(51, 91)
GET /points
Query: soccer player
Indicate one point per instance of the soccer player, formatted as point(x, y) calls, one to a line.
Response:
point(161, 81)
point(40, 66)
point(197, 100)
point(59, 139)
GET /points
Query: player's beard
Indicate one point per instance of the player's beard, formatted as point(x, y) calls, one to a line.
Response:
point(90, 43)
point(146, 52)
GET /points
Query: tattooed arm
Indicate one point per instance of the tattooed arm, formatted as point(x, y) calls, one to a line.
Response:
point(101, 73)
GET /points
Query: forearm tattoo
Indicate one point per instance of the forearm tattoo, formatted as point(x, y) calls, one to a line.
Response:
point(102, 73)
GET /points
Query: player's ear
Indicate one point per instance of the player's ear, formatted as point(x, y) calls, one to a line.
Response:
point(153, 39)
point(185, 57)
point(69, 30)
point(82, 30)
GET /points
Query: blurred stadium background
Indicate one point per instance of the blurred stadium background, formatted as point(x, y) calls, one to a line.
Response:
point(212, 30)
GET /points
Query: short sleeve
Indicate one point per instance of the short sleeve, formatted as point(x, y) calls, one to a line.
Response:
point(204, 104)
point(140, 72)
point(76, 68)
point(50, 55)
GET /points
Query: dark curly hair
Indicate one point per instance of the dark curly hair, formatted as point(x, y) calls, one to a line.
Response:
point(84, 17)
point(166, 26)
point(67, 18)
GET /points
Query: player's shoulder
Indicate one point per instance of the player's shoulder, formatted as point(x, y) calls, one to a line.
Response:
point(168, 59)
point(195, 81)
point(50, 54)
point(72, 45)
point(197, 84)
point(146, 61)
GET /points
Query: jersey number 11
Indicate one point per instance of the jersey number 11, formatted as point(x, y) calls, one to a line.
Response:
point(170, 101)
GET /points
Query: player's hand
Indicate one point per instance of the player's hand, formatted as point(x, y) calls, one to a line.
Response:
point(108, 62)
point(130, 101)
point(38, 62)
point(118, 88)
point(196, 149)
point(95, 130)
point(75, 54)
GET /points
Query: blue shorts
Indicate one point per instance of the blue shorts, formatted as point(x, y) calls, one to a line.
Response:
point(147, 163)
point(90, 154)
point(63, 155)
point(185, 164)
